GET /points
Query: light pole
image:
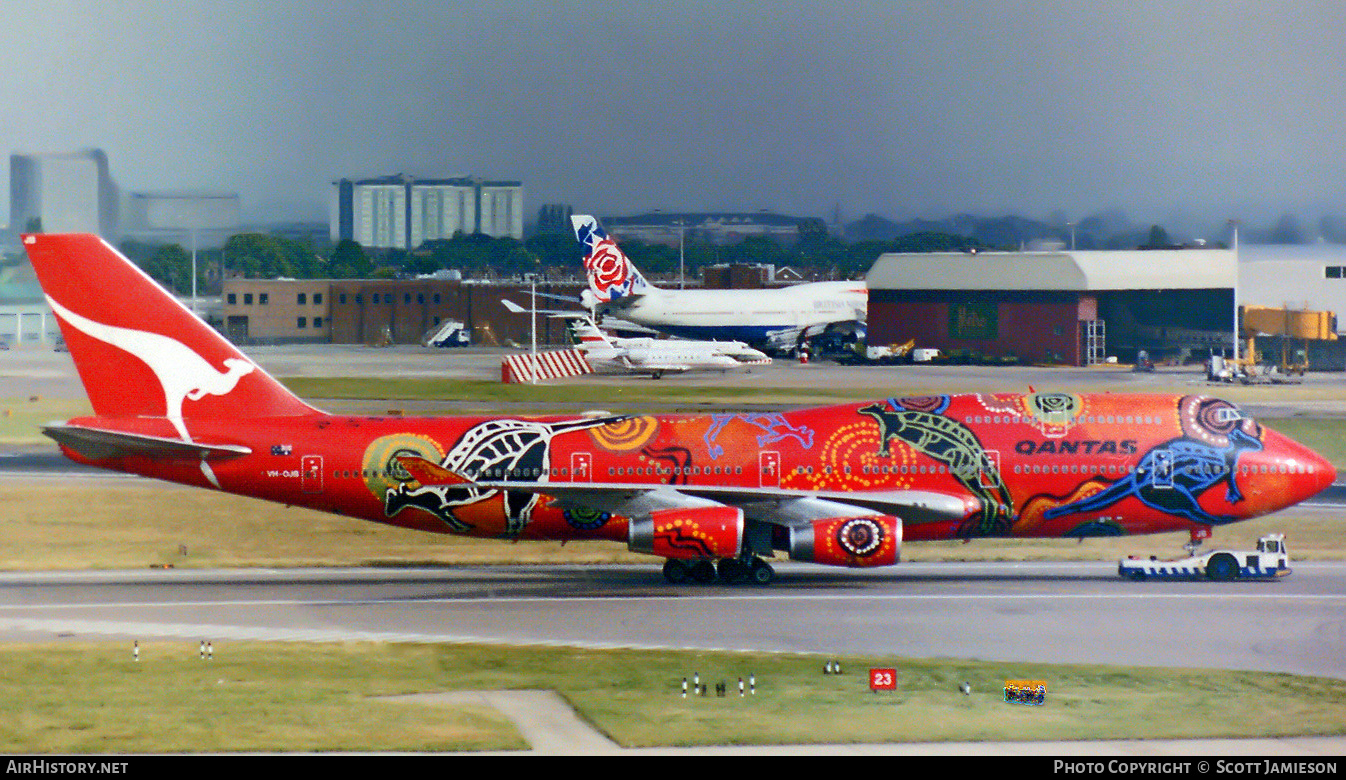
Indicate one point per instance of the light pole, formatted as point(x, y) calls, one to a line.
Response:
point(1236, 289)
point(682, 275)
point(194, 311)
point(533, 325)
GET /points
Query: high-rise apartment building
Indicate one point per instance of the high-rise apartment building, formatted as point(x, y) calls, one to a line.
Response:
point(401, 212)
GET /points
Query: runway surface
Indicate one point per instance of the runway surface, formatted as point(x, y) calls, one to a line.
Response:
point(1027, 612)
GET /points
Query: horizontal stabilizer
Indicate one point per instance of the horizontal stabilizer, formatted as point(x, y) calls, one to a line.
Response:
point(428, 472)
point(99, 443)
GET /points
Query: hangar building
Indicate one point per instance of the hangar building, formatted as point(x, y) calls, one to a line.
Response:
point(1071, 307)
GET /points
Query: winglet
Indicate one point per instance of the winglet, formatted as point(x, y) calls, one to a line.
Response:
point(428, 472)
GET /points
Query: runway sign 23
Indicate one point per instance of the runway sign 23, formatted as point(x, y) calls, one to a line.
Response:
point(883, 679)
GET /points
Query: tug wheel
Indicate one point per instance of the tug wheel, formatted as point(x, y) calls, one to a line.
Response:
point(1222, 567)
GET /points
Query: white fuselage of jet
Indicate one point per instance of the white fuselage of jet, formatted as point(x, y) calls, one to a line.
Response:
point(758, 316)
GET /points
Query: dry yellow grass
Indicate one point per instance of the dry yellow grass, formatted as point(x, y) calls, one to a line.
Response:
point(140, 523)
point(134, 524)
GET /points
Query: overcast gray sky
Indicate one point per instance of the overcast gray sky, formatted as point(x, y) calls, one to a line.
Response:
point(907, 109)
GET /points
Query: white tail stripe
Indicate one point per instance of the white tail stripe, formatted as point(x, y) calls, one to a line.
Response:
point(183, 374)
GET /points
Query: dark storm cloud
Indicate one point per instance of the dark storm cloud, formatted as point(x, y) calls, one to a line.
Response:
point(903, 108)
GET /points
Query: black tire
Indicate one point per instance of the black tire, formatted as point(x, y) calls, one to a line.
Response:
point(1222, 567)
point(703, 572)
point(731, 572)
point(761, 573)
point(675, 572)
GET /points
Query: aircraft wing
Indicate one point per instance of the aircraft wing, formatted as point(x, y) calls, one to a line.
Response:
point(628, 328)
point(662, 368)
point(768, 504)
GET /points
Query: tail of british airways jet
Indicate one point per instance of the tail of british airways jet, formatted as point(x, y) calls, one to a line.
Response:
point(612, 277)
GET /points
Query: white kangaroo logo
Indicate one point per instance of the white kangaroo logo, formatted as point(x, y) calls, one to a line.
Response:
point(182, 373)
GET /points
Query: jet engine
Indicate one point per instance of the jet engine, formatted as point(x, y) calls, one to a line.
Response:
point(858, 542)
point(689, 532)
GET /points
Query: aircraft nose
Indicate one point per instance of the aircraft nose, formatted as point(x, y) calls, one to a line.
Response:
point(1297, 472)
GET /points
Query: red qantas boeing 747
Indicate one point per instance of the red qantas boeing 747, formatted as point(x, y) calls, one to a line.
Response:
point(713, 494)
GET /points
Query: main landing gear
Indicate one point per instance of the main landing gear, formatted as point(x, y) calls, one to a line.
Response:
point(730, 571)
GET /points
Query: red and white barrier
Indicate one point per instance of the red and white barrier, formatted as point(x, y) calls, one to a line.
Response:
point(520, 369)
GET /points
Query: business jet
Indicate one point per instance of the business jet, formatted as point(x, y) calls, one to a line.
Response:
point(714, 494)
point(778, 319)
point(657, 357)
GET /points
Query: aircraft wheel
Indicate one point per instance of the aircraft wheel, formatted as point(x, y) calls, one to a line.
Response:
point(1222, 567)
point(731, 571)
point(703, 572)
point(675, 572)
point(761, 572)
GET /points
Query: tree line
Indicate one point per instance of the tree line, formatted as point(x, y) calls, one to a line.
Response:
point(816, 254)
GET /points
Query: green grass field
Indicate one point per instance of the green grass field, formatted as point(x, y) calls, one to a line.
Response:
point(329, 697)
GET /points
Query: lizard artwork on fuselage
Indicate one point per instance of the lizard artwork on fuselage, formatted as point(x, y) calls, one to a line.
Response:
point(716, 495)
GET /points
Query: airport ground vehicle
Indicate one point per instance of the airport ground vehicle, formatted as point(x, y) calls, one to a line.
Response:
point(1269, 561)
point(450, 333)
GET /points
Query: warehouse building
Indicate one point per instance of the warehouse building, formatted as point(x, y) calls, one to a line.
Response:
point(377, 311)
point(1064, 307)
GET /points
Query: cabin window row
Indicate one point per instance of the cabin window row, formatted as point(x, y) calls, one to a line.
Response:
point(1075, 468)
point(1282, 468)
point(904, 470)
point(487, 474)
point(1072, 468)
point(651, 471)
point(1089, 419)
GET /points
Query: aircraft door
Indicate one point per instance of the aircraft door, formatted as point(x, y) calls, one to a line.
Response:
point(581, 467)
point(1162, 477)
point(310, 477)
point(769, 469)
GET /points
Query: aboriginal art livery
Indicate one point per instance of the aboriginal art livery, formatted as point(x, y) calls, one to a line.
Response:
point(717, 495)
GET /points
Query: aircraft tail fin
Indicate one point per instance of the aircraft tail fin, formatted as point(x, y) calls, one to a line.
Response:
point(611, 273)
point(138, 350)
point(588, 337)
